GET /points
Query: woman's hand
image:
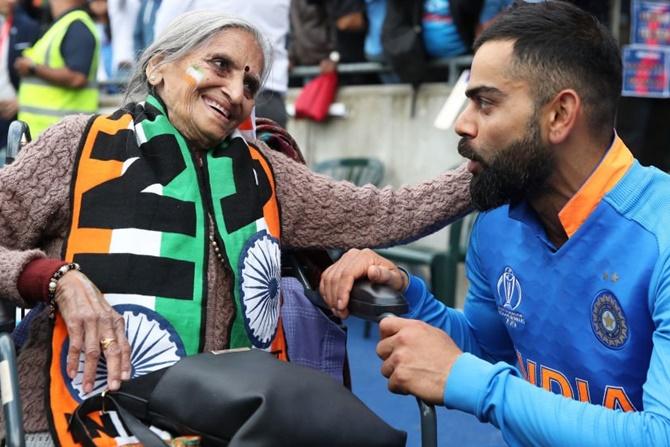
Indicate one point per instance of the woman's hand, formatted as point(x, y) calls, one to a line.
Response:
point(94, 328)
point(338, 279)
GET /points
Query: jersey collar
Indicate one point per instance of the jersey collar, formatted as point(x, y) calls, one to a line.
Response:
point(611, 169)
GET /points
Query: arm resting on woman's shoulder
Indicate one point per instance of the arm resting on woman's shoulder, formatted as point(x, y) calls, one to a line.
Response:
point(320, 212)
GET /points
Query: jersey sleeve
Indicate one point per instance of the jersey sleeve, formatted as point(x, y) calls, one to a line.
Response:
point(478, 329)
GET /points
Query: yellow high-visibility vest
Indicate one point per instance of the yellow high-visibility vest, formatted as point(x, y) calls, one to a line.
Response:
point(41, 103)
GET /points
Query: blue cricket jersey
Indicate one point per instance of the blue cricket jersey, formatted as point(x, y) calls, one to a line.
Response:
point(589, 321)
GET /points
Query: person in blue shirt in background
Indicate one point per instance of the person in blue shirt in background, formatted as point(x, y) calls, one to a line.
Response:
point(568, 263)
point(449, 26)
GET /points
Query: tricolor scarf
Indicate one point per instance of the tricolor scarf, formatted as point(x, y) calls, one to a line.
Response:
point(141, 206)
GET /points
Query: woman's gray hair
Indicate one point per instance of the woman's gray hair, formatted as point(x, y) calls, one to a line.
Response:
point(185, 34)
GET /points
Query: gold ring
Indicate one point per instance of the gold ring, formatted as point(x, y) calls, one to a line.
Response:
point(106, 342)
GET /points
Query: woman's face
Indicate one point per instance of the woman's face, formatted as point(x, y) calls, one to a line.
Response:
point(209, 92)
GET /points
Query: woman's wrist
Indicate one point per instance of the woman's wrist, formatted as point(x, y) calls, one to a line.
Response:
point(58, 274)
point(53, 282)
point(33, 281)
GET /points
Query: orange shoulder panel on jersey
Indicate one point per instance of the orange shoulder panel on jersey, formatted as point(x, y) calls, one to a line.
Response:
point(611, 169)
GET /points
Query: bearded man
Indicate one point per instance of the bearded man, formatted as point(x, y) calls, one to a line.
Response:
point(568, 264)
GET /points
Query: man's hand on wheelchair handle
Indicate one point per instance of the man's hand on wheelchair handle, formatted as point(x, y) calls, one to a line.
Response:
point(94, 328)
point(338, 279)
point(417, 358)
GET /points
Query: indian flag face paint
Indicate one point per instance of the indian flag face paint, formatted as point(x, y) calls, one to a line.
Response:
point(195, 75)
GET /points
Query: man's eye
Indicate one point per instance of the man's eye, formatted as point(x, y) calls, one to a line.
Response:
point(483, 103)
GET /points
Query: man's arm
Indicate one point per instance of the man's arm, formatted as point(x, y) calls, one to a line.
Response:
point(422, 360)
point(478, 329)
point(78, 51)
point(525, 413)
point(529, 415)
point(63, 77)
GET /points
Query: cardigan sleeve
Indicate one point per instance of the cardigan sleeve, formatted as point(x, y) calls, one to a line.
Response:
point(34, 205)
point(320, 212)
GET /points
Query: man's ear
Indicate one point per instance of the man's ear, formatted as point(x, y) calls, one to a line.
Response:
point(154, 71)
point(563, 111)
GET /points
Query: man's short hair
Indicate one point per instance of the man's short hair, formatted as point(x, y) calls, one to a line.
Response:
point(557, 46)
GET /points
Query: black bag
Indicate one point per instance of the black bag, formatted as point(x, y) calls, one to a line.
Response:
point(240, 398)
point(402, 40)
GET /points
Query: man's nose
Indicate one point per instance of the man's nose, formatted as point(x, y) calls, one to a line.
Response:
point(465, 125)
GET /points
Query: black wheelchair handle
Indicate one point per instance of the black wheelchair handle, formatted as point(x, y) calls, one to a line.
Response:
point(375, 302)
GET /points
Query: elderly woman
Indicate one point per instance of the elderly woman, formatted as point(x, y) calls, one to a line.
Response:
point(154, 233)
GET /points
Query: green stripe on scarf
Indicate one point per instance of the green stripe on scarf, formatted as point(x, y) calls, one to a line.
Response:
point(177, 246)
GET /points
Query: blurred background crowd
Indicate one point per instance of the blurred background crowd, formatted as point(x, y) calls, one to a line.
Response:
point(66, 60)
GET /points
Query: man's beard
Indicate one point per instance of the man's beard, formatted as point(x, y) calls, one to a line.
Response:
point(518, 171)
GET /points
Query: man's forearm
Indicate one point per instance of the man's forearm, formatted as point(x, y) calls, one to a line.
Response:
point(529, 415)
point(63, 77)
point(424, 306)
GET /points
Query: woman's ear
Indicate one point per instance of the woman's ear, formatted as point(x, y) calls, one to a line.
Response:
point(563, 113)
point(154, 71)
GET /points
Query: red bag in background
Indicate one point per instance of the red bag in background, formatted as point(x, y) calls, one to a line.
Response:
point(316, 97)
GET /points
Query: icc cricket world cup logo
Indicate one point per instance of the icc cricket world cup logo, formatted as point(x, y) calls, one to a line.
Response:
point(509, 290)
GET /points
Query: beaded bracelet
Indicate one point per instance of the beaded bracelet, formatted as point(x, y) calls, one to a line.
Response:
point(53, 281)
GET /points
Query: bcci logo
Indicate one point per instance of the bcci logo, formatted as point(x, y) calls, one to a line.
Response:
point(509, 290)
point(608, 320)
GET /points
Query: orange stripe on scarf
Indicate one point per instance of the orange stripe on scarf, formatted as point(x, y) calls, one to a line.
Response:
point(270, 209)
point(90, 173)
point(271, 215)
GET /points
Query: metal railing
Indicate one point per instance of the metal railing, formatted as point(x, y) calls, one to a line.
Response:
point(454, 65)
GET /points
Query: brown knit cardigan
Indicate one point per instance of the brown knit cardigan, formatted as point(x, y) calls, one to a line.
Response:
point(315, 212)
